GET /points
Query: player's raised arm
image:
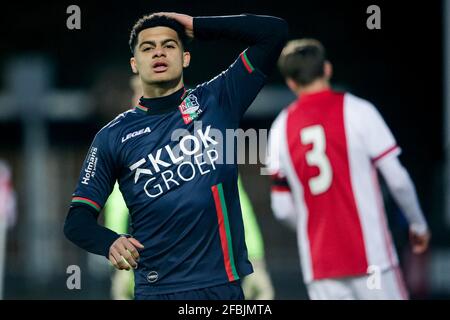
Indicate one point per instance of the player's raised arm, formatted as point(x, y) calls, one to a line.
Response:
point(265, 35)
point(403, 191)
point(238, 86)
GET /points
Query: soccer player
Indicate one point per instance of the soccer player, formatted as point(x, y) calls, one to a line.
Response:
point(257, 286)
point(324, 150)
point(8, 213)
point(116, 219)
point(188, 238)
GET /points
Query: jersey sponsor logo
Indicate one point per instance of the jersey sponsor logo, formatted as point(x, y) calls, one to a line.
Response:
point(193, 155)
point(190, 109)
point(135, 134)
point(89, 170)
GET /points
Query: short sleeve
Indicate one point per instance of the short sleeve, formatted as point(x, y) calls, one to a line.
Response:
point(237, 87)
point(97, 176)
point(274, 155)
point(376, 135)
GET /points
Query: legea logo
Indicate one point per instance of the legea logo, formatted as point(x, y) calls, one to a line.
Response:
point(135, 134)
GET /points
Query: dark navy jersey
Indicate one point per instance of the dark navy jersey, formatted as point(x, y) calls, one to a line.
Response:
point(180, 189)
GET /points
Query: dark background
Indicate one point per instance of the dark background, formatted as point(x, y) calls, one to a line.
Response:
point(399, 68)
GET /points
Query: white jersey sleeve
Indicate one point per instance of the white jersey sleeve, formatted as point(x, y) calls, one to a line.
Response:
point(402, 189)
point(282, 202)
point(273, 155)
point(377, 137)
point(383, 150)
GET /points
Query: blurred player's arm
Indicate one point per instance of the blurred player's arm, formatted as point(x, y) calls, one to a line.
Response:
point(116, 219)
point(116, 212)
point(282, 202)
point(258, 285)
point(383, 151)
point(404, 193)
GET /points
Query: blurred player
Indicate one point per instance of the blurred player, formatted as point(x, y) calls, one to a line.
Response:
point(324, 150)
point(256, 286)
point(117, 220)
point(7, 214)
point(188, 236)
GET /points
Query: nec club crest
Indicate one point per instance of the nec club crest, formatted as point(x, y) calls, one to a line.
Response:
point(190, 109)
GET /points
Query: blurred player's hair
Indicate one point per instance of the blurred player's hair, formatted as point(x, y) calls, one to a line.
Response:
point(302, 60)
point(155, 20)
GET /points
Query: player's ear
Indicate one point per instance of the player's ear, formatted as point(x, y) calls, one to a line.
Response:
point(133, 65)
point(186, 59)
point(292, 85)
point(328, 70)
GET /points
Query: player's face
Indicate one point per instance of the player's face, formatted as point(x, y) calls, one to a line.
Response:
point(159, 56)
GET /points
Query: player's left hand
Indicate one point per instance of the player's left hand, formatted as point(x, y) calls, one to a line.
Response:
point(419, 241)
point(184, 19)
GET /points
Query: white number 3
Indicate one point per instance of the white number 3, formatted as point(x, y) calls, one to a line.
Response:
point(317, 157)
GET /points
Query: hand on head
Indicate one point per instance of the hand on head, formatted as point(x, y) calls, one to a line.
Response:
point(184, 19)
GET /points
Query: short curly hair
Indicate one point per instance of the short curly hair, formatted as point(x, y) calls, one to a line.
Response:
point(155, 20)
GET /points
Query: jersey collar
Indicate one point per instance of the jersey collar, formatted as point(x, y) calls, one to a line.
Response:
point(161, 105)
point(315, 95)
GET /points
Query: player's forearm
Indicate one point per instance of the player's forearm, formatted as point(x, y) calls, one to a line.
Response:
point(265, 35)
point(402, 189)
point(82, 229)
point(283, 208)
